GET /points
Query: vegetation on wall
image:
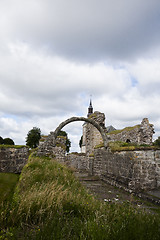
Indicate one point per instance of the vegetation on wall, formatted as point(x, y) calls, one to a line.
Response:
point(68, 142)
point(124, 146)
point(124, 129)
point(12, 146)
point(128, 146)
point(93, 115)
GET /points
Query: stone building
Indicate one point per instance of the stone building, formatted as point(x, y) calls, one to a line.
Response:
point(91, 136)
point(139, 134)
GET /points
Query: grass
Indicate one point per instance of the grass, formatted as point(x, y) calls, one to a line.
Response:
point(50, 203)
point(12, 146)
point(123, 146)
point(99, 146)
point(124, 129)
point(8, 182)
point(78, 154)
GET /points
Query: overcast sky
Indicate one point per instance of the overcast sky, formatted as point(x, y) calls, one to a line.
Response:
point(55, 53)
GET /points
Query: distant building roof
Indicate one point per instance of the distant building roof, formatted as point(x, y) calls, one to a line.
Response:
point(110, 128)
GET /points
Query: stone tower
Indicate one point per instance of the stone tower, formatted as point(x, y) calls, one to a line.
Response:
point(91, 136)
point(90, 109)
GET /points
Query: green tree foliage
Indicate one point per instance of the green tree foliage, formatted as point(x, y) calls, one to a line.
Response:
point(33, 137)
point(8, 141)
point(1, 140)
point(68, 142)
point(157, 141)
point(81, 141)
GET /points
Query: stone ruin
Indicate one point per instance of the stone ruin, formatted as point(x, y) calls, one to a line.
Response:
point(51, 143)
point(134, 170)
point(141, 134)
point(49, 146)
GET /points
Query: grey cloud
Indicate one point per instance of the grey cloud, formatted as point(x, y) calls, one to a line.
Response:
point(37, 84)
point(84, 30)
point(90, 30)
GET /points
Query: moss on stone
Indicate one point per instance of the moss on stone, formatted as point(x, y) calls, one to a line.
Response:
point(93, 115)
point(64, 137)
point(13, 146)
point(61, 145)
point(123, 146)
point(99, 146)
point(76, 153)
point(124, 129)
point(91, 155)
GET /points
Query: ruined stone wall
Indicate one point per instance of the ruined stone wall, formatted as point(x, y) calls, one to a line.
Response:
point(78, 161)
point(132, 170)
point(13, 159)
point(48, 147)
point(131, 135)
point(140, 134)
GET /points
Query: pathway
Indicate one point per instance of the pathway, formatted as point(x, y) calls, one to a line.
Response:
point(105, 192)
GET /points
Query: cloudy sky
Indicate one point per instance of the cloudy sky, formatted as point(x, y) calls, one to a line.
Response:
point(55, 53)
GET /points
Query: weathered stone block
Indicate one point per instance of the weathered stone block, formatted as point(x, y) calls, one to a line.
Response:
point(13, 159)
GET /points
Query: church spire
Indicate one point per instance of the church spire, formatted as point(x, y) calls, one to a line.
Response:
point(90, 109)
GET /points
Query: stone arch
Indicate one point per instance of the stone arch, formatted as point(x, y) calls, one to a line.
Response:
point(91, 121)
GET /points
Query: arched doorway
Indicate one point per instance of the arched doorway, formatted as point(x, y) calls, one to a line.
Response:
point(91, 121)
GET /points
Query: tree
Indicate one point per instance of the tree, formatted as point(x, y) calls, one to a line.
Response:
point(33, 137)
point(81, 141)
point(1, 140)
point(8, 141)
point(68, 142)
point(157, 141)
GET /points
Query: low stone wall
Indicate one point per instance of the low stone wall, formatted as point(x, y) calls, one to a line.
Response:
point(78, 161)
point(13, 159)
point(132, 170)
